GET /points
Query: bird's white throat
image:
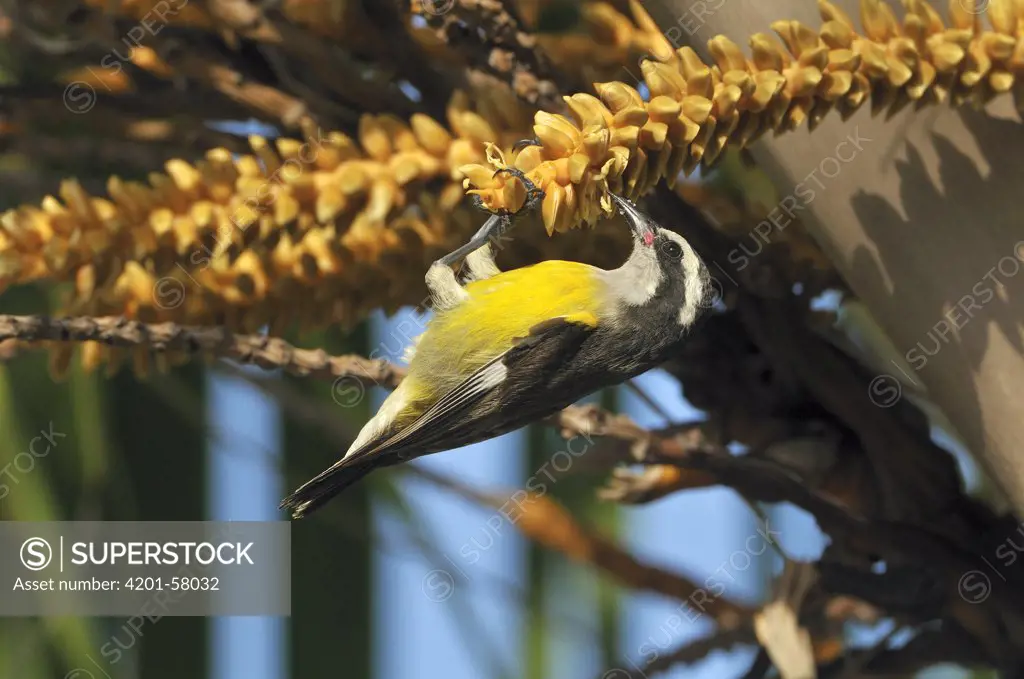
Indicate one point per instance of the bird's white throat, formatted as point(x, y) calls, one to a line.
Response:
point(636, 282)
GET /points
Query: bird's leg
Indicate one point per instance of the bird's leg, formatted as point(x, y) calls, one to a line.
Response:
point(445, 291)
point(481, 264)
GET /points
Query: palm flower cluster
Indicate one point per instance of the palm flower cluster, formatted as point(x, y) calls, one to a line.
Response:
point(619, 141)
point(294, 225)
point(311, 231)
point(324, 229)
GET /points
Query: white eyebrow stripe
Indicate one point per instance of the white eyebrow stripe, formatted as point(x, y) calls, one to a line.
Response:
point(693, 284)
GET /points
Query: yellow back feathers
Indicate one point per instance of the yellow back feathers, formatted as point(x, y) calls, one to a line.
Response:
point(499, 310)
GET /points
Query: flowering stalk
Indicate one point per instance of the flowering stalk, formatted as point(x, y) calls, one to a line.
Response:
point(620, 142)
point(326, 230)
point(295, 230)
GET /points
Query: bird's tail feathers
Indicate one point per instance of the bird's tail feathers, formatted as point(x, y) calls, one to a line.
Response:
point(369, 451)
point(325, 485)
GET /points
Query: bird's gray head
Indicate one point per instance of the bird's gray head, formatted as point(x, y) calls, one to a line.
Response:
point(662, 269)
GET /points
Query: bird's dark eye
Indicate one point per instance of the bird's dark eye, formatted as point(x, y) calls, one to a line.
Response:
point(672, 249)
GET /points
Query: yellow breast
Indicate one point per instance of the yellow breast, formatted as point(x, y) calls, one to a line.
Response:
point(499, 310)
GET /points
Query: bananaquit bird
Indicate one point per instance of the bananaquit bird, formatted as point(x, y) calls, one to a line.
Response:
point(511, 347)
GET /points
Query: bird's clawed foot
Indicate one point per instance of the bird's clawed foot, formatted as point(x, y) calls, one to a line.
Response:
point(441, 281)
point(523, 143)
point(534, 194)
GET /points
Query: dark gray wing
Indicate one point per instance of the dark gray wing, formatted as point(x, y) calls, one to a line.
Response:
point(526, 362)
point(449, 423)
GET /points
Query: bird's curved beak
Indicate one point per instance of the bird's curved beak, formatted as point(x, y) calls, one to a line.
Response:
point(638, 222)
